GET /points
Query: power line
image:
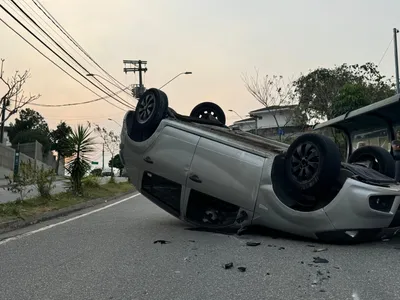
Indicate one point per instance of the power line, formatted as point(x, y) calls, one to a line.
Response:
point(54, 63)
point(384, 53)
point(73, 103)
point(62, 48)
point(27, 29)
point(62, 29)
point(25, 4)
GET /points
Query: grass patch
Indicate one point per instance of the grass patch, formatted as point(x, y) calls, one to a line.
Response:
point(38, 205)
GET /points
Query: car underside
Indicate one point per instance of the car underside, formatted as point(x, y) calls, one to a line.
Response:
point(211, 176)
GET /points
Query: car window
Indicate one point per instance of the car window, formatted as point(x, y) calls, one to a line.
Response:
point(371, 137)
point(338, 136)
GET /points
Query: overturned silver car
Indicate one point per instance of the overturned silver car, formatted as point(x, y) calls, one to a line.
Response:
point(211, 176)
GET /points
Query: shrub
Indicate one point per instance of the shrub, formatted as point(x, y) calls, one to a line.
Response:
point(96, 172)
point(44, 181)
point(91, 181)
point(21, 182)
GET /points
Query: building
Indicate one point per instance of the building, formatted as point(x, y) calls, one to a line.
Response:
point(270, 117)
point(275, 122)
point(6, 140)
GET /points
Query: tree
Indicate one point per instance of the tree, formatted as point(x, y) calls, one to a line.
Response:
point(117, 163)
point(15, 98)
point(110, 139)
point(319, 90)
point(272, 92)
point(80, 145)
point(29, 119)
point(59, 141)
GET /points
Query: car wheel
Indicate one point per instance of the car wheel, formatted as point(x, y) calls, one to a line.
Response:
point(376, 158)
point(312, 163)
point(151, 109)
point(209, 111)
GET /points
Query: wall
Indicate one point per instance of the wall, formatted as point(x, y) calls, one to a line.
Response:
point(6, 161)
point(268, 120)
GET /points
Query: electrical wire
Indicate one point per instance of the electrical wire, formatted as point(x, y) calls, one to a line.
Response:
point(54, 63)
point(384, 53)
point(71, 104)
point(69, 55)
point(32, 10)
point(27, 29)
point(39, 5)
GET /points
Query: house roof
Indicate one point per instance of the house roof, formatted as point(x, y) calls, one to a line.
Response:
point(244, 121)
point(273, 107)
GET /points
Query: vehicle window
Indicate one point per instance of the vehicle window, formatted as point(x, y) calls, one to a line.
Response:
point(338, 136)
point(371, 137)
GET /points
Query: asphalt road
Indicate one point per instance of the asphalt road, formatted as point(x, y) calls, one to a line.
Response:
point(110, 254)
point(60, 186)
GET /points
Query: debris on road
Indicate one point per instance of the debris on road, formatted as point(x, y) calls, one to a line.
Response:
point(253, 244)
point(319, 260)
point(162, 242)
point(281, 248)
point(242, 269)
point(192, 241)
point(320, 249)
point(228, 266)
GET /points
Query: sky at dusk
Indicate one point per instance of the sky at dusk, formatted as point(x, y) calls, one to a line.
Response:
point(217, 40)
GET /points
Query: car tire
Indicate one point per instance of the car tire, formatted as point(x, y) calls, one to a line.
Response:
point(210, 111)
point(383, 160)
point(152, 107)
point(312, 163)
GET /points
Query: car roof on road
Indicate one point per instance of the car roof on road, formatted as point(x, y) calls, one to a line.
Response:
point(367, 116)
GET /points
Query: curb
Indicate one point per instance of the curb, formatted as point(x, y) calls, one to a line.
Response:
point(17, 224)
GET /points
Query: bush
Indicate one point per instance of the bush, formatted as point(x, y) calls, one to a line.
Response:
point(96, 172)
point(91, 181)
point(21, 182)
point(44, 181)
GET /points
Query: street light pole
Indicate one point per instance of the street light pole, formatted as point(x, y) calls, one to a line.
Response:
point(396, 59)
point(109, 119)
point(183, 73)
point(236, 113)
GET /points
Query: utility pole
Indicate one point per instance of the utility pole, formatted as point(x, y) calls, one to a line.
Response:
point(1, 72)
point(103, 158)
point(138, 66)
point(396, 59)
point(3, 107)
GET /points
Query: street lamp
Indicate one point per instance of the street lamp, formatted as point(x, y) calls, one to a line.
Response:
point(183, 73)
point(109, 119)
point(236, 113)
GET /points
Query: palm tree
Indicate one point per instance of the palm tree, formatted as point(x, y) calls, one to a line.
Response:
point(80, 144)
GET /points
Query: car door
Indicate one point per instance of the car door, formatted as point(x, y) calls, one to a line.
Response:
point(165, 168)
point(224, 173)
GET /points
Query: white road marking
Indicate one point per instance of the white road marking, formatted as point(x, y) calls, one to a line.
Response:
point(17, 237)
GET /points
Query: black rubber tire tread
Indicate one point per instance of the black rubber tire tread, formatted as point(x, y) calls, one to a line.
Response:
point(329, 166)
point(142, 131)
point(161, 107)
point(201, 107)
point(385, 159)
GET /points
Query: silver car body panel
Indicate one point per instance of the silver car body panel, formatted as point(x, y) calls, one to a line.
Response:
point(236, 168)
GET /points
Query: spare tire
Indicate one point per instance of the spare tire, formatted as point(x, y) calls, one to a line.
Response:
point(208, 111)
point(380, 159)
point(312, 163)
